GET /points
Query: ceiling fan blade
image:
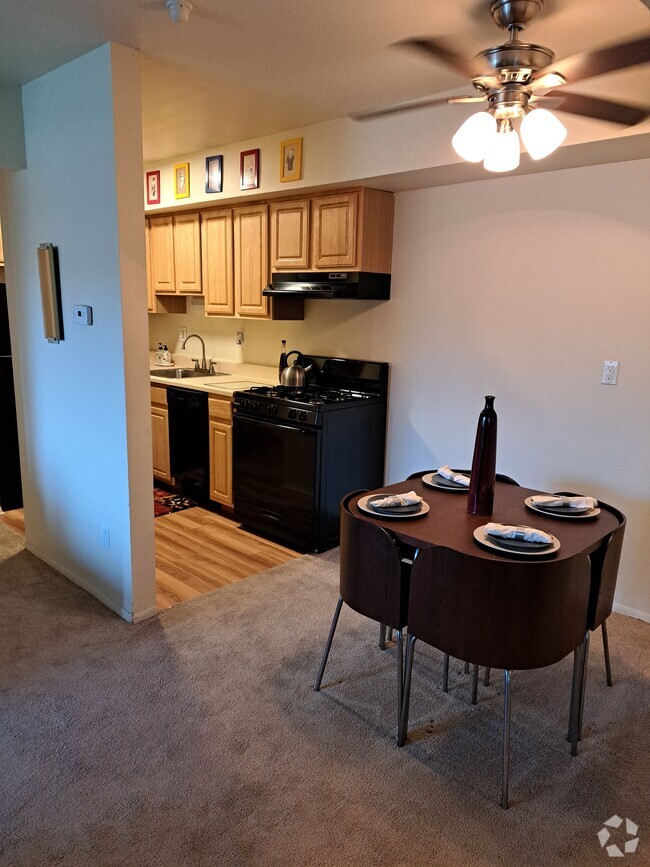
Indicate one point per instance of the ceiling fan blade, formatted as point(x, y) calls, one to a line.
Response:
point(426, 102)
point(587, 64)
point(437, 50)
point(601, 109)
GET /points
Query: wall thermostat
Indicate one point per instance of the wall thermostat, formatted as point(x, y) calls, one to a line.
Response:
point(83, 315)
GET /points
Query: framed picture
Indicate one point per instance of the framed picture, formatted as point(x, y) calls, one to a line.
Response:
point(153, 188)
point(181, 180)
point(213, 174)
point(291, 160)
point(249, 169)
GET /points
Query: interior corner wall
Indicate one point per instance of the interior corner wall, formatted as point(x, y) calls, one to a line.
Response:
point(12, 132)
point(79, 451)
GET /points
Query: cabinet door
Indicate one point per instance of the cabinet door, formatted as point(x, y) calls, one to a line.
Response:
point(334, 237)
point(290, 235)
point(160, 443)
point(187, 254)
point(151, 298)
point(161, 249)
point(216, 252)
point(251, 260)
point(221, 463)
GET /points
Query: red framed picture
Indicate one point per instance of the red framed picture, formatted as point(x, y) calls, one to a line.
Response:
point(153, 188)
point(249, 169)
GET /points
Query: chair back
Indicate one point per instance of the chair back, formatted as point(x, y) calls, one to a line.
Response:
point(499, 613)
point(373, 579)
point(604, 568)
point(500, 477)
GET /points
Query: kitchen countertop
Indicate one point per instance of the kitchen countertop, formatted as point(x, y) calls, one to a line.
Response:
point(236, 376)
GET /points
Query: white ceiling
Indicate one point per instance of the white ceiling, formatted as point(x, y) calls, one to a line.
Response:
point(241, 69)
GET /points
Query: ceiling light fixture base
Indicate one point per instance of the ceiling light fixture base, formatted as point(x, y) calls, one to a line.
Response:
point(179, 10)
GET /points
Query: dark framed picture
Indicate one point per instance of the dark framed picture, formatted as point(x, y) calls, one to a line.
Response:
point(153, 188)
point(249, 169)
point(182, 180)
point(214, 174)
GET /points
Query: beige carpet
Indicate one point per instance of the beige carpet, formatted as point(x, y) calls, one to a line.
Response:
point(196, 738)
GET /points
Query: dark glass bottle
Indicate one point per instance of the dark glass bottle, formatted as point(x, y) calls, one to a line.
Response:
point(484, 463)
point(283, 358)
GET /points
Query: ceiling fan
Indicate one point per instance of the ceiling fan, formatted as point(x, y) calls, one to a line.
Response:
point(518, 80)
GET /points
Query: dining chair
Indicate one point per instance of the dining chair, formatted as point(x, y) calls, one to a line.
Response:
point(373, 581)
point(506, 480)
point(604, 563)
point(506, 614)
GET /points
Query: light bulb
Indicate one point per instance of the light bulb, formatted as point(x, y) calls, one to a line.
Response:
point(472, 138)
point(502, 154)
point(542, 133)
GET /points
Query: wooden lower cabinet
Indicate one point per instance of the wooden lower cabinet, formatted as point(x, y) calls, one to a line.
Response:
point(160, 433)
point(220, 412)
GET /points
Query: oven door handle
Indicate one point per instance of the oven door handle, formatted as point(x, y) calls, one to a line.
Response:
point(276, 424)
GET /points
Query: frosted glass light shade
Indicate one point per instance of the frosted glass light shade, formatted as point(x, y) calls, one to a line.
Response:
point(542, 133)
point(502, 154)
point(471, 140)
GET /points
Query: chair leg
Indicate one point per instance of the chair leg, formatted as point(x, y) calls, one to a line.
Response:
point(404, 715)
point(400, 675)
point(608, 665)
point(326, 653)
point(467, 668)
point(577, 693)
point(445, 672)
point(505, 759)
point(486, 677)
point(583, 685)
point(382, 636)
point(474, 684)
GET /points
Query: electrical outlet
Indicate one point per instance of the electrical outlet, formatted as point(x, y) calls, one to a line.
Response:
point(610, 372)
point(240, 338)
point(182, 334)
point(106, 536)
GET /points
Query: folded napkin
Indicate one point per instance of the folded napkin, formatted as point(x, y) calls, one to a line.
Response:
point(398, 500)
point(459, 478)
point(573, 502)
point(525, 534)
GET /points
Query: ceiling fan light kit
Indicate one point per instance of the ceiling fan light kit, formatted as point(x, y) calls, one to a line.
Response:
point(515, 80)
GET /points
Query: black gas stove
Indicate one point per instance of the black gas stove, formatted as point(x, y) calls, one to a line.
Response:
point(298, 451)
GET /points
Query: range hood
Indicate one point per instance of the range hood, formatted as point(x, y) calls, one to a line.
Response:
point(363, 285)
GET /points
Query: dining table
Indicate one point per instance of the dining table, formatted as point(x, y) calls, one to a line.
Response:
point(447, 523)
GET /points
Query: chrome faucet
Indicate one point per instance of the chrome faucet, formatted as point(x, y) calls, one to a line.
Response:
point(204, 363)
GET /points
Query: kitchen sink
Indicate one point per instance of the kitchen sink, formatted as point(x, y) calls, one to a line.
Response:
point(183, 373)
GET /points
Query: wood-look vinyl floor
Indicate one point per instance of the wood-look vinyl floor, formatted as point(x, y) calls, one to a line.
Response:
point(197, 551)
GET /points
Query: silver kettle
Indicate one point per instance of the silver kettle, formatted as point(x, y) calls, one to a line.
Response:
point(293, 375)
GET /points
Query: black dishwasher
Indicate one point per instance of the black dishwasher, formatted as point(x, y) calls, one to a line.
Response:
point(189, 441)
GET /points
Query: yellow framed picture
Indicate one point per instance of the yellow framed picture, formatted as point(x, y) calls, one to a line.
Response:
point(181, 180)
point(291, 160)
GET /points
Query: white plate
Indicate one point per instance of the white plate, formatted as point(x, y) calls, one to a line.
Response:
point(433, 480)
point(561, 516)
point(484, 540)
point(390, 516)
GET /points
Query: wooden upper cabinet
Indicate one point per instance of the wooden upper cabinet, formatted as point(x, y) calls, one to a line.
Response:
point(187, 254)
point(334, 240)
point(290, 235)
point(175, 255)
point(216, 244)
point(251, 259)
point(161, 250)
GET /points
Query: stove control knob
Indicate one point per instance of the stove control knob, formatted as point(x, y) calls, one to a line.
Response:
point(302, 416)
point(255, 404)
point(245, 404)
point(293, 413)
point(273, 410)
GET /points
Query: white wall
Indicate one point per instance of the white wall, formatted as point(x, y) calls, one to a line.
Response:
point(85, 462)
point(518, 287)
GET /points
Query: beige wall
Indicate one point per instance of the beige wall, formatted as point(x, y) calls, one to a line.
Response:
point(518, 287)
